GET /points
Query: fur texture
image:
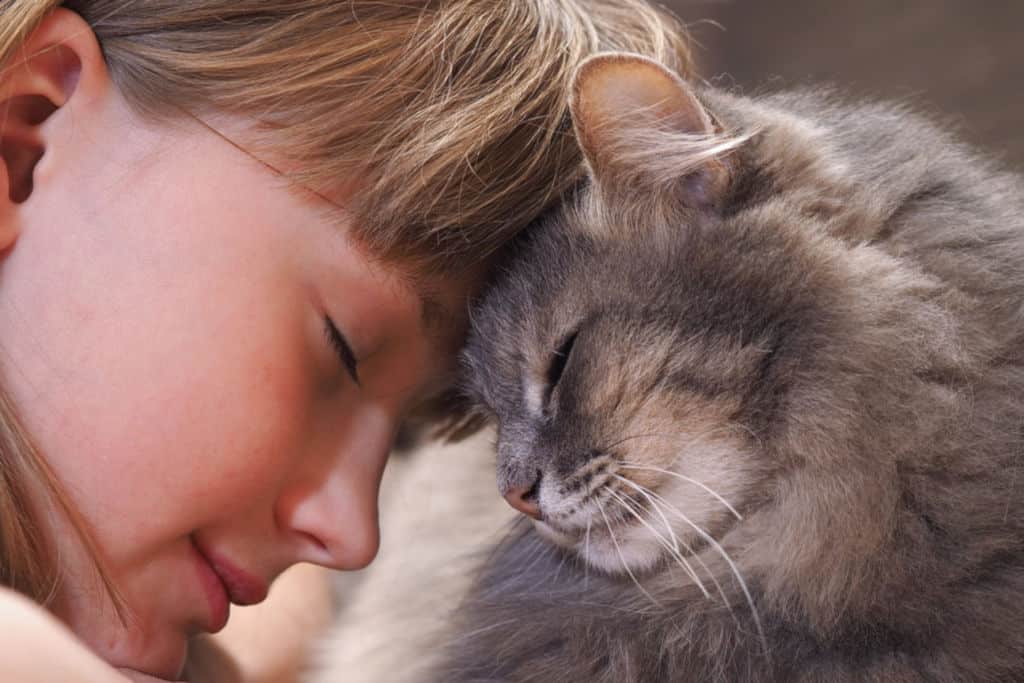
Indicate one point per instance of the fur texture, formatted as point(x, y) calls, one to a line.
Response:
point(769, 401)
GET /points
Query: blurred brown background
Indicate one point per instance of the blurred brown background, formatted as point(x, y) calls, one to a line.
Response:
point(963, 59)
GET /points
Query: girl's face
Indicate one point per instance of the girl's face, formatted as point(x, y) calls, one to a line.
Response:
point(183, 335)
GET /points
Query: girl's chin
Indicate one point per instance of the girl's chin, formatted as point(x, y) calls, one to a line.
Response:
point(161, 657)
point(171, 663)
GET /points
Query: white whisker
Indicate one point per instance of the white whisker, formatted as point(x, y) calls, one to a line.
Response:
point(542, 549)
point(668, 527)
point(732, 565)
point(711, 575)
point(586, 554)
point(561, 564)
point(676, 437)
point(662, 541)
point(650, 496)
point(469, 635)
point(622, 559)
point(683, 477)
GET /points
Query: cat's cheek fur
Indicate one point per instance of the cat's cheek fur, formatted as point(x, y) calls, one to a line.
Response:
point(714, 477)
point(684, 509)
point(634, 549)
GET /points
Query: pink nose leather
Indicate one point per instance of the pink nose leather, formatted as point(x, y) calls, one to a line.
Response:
point(524, 499)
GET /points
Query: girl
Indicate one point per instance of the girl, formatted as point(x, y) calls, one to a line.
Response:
point(237, 241)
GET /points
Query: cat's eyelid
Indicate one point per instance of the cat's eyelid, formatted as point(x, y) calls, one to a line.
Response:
point(559, 360)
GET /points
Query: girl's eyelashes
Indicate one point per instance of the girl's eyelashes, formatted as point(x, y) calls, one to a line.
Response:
point(341, 346)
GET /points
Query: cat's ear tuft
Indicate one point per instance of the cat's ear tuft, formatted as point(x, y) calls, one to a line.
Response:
point(642, 128)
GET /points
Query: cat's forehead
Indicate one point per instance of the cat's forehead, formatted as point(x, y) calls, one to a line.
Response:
point(568, 272)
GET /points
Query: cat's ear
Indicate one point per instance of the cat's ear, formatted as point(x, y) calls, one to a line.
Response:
point(642, 128)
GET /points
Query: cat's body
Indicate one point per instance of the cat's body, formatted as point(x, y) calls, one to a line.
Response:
point(799, 361)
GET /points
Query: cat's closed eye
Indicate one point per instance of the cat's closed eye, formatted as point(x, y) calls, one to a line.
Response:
point(559, 360)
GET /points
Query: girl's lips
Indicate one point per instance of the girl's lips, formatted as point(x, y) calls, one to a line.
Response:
point(242, 587)
point(215, 590)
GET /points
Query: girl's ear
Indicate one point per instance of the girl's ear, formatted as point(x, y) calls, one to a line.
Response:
point(641, 128)
point(60, 64)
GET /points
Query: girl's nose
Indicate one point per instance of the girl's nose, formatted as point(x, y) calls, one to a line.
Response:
point(335, 525)
point(330, 511)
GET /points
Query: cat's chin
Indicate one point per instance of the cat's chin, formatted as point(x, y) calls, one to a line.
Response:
point(555, 536)
point(632, 549)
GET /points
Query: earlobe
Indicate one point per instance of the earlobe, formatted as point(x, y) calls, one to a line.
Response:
point(59, 62)
point(8, 219)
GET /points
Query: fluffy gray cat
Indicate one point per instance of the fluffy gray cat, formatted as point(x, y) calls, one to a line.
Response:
point(760, 384)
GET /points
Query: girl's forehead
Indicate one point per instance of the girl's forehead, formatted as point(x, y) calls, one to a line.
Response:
point(441, 296)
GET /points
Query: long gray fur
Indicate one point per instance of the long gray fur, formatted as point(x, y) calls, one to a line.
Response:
point(867, 272)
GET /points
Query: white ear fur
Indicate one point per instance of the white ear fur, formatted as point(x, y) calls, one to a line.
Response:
point(641, 128)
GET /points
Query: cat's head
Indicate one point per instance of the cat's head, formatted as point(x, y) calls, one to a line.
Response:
point(663, 365)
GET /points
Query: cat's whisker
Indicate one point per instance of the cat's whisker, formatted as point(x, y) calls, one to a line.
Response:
point(673, 548)
point(534, 551)
point(631, 437)
point(657, 508)
point(685, 478)
point(561, 565)
point(654, 503)
point(464, 638)
point(732, 565)
point(596, 484)
point(622, 558)
point(711, 575)
point(535, 557)
point(636, 512)
point(674, 437)
point(662, 541)
point(586, 554)
point(664, 519)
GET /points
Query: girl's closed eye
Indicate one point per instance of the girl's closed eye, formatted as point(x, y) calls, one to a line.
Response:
point(342, 347)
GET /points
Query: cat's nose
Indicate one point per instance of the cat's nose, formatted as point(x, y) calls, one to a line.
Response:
point(526, 499)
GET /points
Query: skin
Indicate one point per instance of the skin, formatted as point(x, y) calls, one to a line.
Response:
point(271, 642)
point(163, 299)
point(29, 631)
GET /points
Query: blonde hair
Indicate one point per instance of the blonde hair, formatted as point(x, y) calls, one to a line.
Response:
point(454, 115)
